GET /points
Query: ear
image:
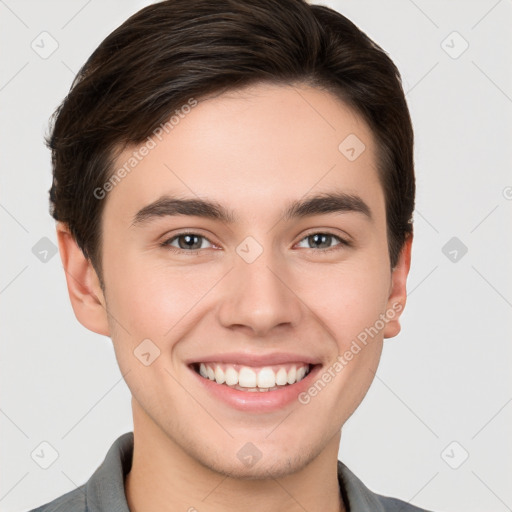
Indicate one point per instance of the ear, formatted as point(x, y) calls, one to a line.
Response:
point(83, 284)
point(398, 290)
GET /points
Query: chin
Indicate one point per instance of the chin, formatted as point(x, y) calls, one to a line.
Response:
point(264, 468)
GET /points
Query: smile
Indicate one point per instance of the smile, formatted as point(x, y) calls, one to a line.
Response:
point(253, 379)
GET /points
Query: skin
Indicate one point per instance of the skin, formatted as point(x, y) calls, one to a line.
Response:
point(251, 150)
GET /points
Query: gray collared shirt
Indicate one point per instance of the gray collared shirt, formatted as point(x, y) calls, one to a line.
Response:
point(104, 491)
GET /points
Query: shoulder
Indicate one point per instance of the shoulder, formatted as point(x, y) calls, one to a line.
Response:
point(395, 505)
point(360, 498)
point(104, 491)
point(72, 501)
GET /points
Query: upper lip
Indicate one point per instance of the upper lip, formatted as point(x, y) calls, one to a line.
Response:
point(248, 359)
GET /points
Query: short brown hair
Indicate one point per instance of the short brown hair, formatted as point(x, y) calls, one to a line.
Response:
point(173, 50)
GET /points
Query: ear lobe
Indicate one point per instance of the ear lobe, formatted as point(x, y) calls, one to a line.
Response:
point(84, 288)
point(398, 290)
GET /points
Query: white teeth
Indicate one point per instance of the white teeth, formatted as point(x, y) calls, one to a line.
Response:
point(231, 376)
point(282, 377)
point(266, 378)
point(247, 379)
point(219, 375)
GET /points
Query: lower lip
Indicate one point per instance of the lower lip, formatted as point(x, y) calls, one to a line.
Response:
point(258, 401)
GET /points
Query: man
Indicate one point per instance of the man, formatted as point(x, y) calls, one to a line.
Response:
point(234, 185)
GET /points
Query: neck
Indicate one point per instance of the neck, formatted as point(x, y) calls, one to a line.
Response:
point(164, 478)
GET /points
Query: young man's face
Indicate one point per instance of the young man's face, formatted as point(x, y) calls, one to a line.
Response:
point(261, 286)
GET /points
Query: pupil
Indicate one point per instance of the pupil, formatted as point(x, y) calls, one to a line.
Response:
point(320, 236)
point(189, 241)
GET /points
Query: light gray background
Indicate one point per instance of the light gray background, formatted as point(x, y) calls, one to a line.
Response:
point(445, 378)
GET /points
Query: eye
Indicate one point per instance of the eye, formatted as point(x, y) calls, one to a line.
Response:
point(324, 239)
point(187, 243)
point(190, 243)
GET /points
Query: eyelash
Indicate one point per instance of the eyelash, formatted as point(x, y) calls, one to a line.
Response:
point(166, 243)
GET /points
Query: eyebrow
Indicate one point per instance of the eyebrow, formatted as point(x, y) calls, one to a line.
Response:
point(321, 204)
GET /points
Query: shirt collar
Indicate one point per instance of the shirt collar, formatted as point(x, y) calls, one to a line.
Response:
point(105, 489)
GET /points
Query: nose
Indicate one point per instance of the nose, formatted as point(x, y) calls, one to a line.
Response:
point(260, 296)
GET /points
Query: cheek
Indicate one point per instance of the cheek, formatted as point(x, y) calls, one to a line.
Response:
point(349, 301)
point(348, 298)
point(155, 301)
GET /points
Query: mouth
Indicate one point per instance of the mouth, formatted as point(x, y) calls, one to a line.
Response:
point(253, 379)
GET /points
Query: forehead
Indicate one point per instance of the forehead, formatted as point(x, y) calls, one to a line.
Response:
point(253, 149)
